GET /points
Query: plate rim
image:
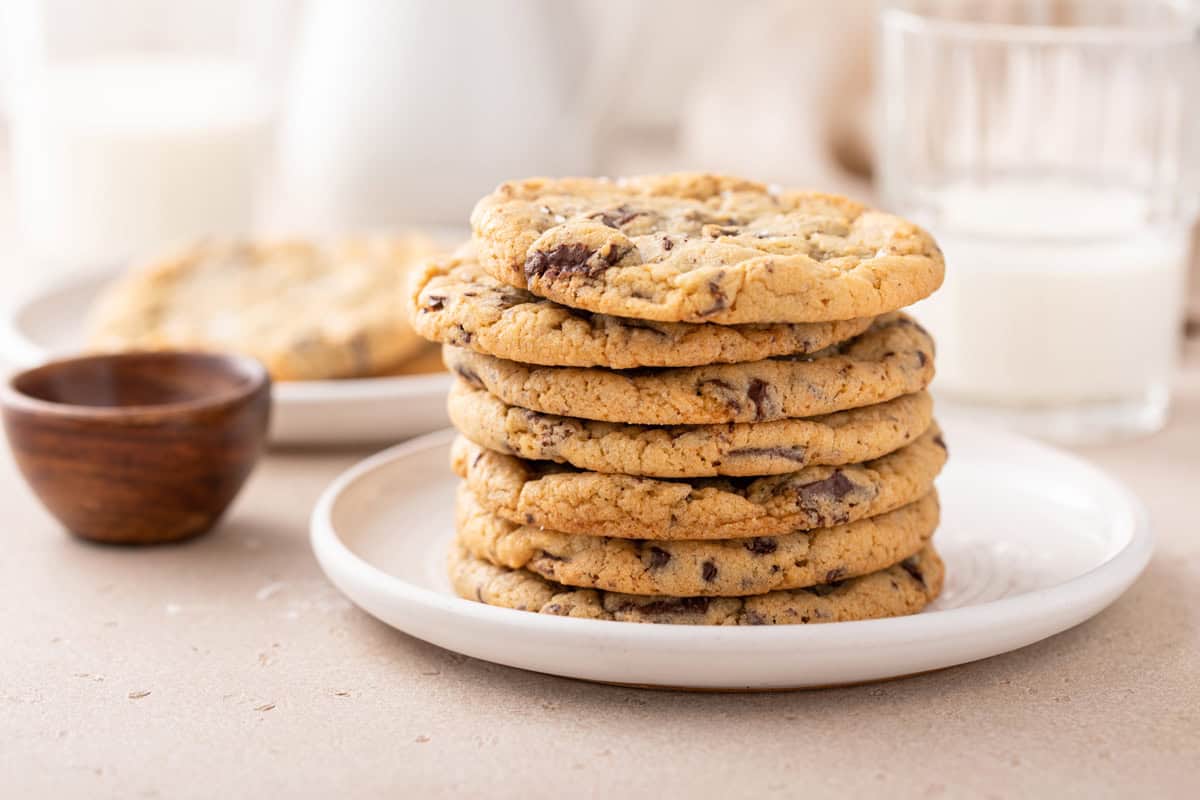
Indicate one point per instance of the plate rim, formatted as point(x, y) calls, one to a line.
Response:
point(1119, 570)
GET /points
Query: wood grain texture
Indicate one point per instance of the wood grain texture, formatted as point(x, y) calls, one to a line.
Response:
point(138, 448)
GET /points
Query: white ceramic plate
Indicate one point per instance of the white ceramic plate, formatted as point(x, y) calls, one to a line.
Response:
point(1035, 542)
point(49, 324)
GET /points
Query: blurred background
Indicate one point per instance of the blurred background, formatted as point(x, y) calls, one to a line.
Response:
point(132, 124)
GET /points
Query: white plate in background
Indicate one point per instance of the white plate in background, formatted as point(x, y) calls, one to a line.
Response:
point(49, 324)
point(1035, 541)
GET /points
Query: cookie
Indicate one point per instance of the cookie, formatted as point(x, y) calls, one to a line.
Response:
point(453, 301)
point(306, 310)
point(903, 589)
point(702, 248)
point(691, 451)
point(562, 498)
point(893, 358)
point(691, 568)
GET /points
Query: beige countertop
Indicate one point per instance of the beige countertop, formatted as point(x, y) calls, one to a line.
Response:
point(228, 667)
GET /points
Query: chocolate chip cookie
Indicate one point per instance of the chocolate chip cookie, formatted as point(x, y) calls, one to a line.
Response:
point(453, 301)
point(307, 310)
point(905, 588)
point(893, 358)
point(691, 568)
point(690, 451)
point(563, 498)
point(702, 248)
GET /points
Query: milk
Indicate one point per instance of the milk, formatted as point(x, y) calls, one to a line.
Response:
point(117, 156)
point(1055, 295)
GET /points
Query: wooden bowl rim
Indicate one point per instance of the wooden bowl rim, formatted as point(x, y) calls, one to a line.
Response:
point(254, 373)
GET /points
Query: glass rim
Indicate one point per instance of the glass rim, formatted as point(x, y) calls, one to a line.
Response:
point(908, 21)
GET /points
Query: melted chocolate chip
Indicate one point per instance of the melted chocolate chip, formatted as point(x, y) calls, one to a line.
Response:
point(922, 359)
point(797, 454)
point(667, 243)
point(551, 557)
point(616, 217)
point(822, 589)
point(940, 442)
point(757, 393)
point(912, 567)
point(835, 487)
point(708, 571)
point(755, 618)
point(835, 574)
point(761, 545)
point(435, 302)
point(658, 558)
point(566, 259)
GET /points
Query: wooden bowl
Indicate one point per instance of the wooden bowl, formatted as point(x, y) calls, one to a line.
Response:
point(138, 448)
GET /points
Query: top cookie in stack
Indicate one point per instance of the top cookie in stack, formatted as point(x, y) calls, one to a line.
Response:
point(688, 399)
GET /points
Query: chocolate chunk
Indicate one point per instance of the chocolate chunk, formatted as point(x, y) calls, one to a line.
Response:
point(755, 618)
point(758, 395)
point(667, 243)
point(435, 302)
point(658, 558)
point(797, 454)
point(708, 571)
point(912, 567)
point(835, 574)
point(835, 487)
point(566, 259)
point(821, 590)
point(940, 442)
point(761, 545)
point(616, 217)
point(461, 335)
point(529, 519)
point(922, 359)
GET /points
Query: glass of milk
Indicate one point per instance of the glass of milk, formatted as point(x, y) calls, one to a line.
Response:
point(136, 124)
point(1051, 147)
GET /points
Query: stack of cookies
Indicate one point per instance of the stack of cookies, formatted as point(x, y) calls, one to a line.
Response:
point(689, 399)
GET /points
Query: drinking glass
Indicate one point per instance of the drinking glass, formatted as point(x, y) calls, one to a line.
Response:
point(136, 124)
point(1051, 148)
